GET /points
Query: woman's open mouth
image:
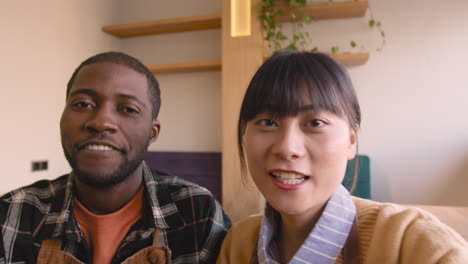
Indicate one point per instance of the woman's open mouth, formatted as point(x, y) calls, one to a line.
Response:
point(288, 178)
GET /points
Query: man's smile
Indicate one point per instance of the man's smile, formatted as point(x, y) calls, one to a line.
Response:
point(99, 145)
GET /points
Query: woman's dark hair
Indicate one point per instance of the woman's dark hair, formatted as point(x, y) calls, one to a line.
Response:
point(289, 81)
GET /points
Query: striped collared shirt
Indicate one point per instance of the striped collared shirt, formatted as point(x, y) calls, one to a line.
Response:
point(326, 240)
point(191, 221)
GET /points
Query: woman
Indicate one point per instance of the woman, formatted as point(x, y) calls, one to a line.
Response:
point(297, 130)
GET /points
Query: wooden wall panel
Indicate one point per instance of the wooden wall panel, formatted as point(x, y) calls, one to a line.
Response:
point(241, 57)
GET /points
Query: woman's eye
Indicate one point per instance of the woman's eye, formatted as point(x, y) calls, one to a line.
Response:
point(267, 122)
point(316, 123)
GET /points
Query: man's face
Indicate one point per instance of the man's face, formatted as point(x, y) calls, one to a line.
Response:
point(106, 125)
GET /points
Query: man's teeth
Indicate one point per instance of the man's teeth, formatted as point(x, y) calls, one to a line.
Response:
point(289, 177)
point(99, 147)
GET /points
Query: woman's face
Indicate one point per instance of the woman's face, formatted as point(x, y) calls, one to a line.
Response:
point(298, 161)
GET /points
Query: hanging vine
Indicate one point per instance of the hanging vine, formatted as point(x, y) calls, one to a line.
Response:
point(273, 12)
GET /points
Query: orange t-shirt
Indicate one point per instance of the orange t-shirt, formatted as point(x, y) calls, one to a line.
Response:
point(104, 233)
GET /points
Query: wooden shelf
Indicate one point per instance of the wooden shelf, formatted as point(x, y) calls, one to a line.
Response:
point(351, 59)
point(332, 10)
point(197, 66)
point(171, 25)
point(212, 21)
point(347, 59)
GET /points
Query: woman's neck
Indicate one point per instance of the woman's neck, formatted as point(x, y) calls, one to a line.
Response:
point(294, 229)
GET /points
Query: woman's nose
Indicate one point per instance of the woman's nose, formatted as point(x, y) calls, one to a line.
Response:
point(289, 144)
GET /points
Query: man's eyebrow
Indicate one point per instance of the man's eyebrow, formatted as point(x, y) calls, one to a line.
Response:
point(93, 93)
point(89, 92)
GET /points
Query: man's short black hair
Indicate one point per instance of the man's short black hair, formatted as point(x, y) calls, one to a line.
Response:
point(131, 62)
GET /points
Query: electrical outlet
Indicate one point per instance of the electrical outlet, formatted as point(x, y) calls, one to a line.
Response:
point(39, 165)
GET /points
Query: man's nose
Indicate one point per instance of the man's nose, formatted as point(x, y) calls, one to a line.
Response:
point(289, 144)
point(102, 120)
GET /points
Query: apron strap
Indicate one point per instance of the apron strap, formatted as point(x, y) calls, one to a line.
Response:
point(351, 253)
point(156, 253)
point(50, 253)
point(156, 237)
point(54, 244)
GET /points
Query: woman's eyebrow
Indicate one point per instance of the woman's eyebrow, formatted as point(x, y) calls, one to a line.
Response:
point(309, 107)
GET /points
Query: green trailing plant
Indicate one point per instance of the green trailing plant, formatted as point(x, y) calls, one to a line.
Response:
point(373, 23)
point(271, 13)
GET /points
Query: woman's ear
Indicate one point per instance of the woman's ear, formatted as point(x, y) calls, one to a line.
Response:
point(352, 150)
point(155, 129)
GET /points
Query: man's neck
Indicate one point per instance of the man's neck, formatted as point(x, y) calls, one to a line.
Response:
point(108, 200)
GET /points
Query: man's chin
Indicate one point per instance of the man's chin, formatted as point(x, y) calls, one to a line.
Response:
point(104, 176)
point(100, 180)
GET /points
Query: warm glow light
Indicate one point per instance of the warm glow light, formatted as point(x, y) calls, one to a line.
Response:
point(240, 18)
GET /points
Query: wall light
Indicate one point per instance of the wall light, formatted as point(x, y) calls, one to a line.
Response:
point(240, 18)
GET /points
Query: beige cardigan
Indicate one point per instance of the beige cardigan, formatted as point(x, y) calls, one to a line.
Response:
point(388, 233)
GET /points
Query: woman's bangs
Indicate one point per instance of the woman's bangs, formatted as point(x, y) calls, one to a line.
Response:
point(290, 94)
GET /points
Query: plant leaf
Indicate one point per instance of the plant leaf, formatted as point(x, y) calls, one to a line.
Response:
point(281, 36)
point(291, 46)
point(267, 3)
point(308, 19)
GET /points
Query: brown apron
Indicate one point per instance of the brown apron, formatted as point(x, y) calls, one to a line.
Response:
point(50, 253)
point(351, 253)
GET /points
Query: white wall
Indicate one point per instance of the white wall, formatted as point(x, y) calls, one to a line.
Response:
point(413, 96)
point(191, 102)
point(42, 43)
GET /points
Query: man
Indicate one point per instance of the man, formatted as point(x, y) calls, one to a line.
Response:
point(111, 208)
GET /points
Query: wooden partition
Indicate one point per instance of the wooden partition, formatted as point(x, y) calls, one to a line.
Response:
point(241, 57)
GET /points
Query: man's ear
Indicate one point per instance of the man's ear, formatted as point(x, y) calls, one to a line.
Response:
point(352, 150)
point(155, 128)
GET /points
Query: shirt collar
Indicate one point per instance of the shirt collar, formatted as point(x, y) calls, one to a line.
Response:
point(325, 241)
point(164, 211)
point(65, 225)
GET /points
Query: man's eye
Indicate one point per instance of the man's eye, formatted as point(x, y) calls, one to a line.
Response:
point(129, 110)
point(82, 105)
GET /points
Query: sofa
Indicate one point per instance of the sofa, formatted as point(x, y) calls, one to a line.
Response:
point(204, 168)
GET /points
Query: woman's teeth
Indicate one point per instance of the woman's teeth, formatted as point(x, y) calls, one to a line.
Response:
point(289, 178)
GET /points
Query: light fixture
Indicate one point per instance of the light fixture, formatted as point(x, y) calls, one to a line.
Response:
point(240, 18)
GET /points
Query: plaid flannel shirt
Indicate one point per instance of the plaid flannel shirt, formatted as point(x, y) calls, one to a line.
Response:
point(191, 221)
